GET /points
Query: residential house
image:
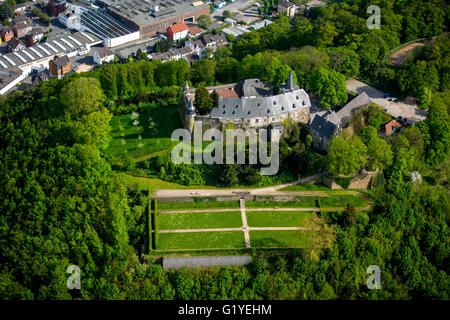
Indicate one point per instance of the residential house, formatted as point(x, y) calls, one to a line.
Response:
point(322, 131)
point(343, 116)
point(390, 128)
point(214, 41)
point(15, 45)
point(34, 36)
point(7, 34)
point(195, 31)
point(286, 8)
point(21, 19)
point(196, 46)
point(178, 31)
point(21, 29)
point(102, 55)
point(59, 66)
point(219, 4)
point(36, 79)
point(20, 8)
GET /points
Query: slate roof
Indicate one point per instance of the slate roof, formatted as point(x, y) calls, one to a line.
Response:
point(338, 117)
point(260, 106)
point(286, 4)
point(104, 52)
point(61, 61)
point(14, 43)
point(322, 126)
point(255, 87)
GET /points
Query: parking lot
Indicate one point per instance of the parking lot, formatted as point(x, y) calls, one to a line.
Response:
point(406, 108)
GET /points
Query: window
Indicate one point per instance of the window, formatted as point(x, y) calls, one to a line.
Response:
point(257, 120)
point(304, 103)
point(274, 103)
point(293, 106)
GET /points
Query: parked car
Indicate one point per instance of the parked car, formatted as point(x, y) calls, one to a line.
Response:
point(386, 95)
point(394, 100)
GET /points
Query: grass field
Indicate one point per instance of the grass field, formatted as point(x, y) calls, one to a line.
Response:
point(199, 220)
point(201, 240)
point(277, 218)
point(289, 238)
point(155, 129)
point(331, 201)
point(198, 205)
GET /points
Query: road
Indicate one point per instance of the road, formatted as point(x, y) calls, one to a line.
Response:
point(232, 7)
point(180, 193)
point(406, 108)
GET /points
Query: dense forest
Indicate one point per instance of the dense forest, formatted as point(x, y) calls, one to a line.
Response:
point(63, 202)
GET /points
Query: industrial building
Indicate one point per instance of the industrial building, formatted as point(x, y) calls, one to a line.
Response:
point(111, 30)
point(16, 66)
point(152, 16)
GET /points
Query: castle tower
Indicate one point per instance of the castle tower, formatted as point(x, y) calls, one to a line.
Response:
point(290, 82)
point(190, 115)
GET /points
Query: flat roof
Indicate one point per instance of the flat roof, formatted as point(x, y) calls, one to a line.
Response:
point(143, 12)
point(58, 46)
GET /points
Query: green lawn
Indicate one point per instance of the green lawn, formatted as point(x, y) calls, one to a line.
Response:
point(155, 129)
point(288, 238)
point(277, 218)
point(201, 240)
point(198, 205)
point(307, 187)
point(331, 201)
point(197, 220)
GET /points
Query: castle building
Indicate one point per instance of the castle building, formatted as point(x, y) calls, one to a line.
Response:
point(250, 103)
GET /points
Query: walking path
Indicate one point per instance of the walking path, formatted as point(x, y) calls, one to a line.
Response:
point(273, 190)
point(260, 209)
point(244, 223)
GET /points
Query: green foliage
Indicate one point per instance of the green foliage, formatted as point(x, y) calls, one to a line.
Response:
point(346, 156)
point(330, 87)
point(203, 101)
point(204, 21)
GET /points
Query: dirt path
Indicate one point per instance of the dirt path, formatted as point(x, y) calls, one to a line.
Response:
point(398, 58)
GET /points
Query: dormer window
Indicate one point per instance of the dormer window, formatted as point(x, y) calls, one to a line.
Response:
point(274, 103)
point(296, 97)
point(282, 108)
point(224, 106)
point(304, 103)
point(237, 106)
point(249, 112)
point(234, 112)
point(224, 112)
point(268, 110)
point(293, 106)
point(259, 105)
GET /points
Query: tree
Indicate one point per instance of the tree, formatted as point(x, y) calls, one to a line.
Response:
point(203, 101)
point(344, 60)
point(204, 21)
point(367, 133)
point(320, 237)
point(229, 176)
point(203, 72)
point(379, 153)
point(6, 12)
point(348, 216)
point(82, 96)
point(226, 14)
point(330, 87)
point(346, 156)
